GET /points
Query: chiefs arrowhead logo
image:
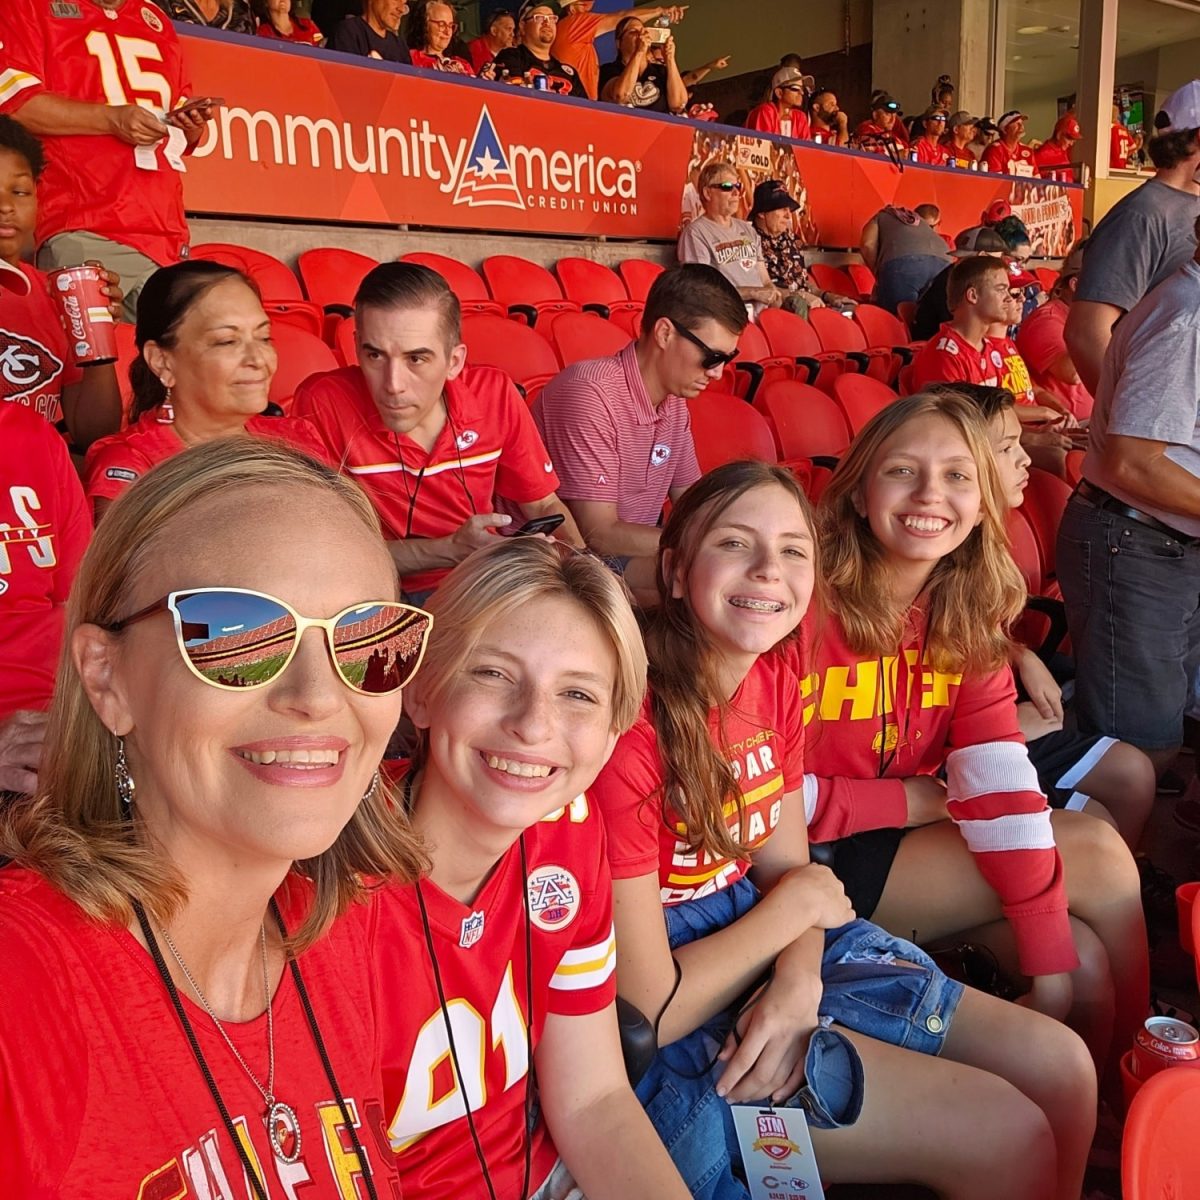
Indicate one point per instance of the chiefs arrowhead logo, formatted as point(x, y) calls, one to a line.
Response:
point(25, 365)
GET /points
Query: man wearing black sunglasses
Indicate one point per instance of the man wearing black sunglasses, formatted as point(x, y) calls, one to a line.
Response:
point(720, 239)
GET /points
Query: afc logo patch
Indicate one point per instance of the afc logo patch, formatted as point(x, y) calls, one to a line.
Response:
point(659, 454)
point(554, 898)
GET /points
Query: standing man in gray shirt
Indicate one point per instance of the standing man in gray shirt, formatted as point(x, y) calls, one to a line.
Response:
point(1142, 239)
point(1129, 544)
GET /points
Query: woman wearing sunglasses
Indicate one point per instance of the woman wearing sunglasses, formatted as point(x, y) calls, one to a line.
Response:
point(186, 1005)
point(497, 970)
point(204, 369)
point(721, 239)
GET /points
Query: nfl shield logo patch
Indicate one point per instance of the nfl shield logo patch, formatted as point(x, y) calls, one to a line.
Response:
point(472, 930)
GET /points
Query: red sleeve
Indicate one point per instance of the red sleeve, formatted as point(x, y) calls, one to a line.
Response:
point(316, 401)
point(295, 431)
point(839, 806)
point(525, 472)
point(585, 980)
point(801, 129)
point(22, 54)
point(73, 521)
point(935, 364)
point(995, 801)
point(763, 117)
point(581, 439)
point(1040, 341)
point(112, 464)
point(996, 158)
point(627, 793)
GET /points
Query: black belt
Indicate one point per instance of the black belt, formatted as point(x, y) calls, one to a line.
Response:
point(1099, 498)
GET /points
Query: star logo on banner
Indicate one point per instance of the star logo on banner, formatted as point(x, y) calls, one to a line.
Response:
point(487, 165)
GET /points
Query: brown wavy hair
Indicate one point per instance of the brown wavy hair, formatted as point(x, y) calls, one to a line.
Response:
point(72, 830)
point(974, 594)
point(698, 782)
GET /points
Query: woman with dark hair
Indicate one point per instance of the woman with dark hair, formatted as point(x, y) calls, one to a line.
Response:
point(275, 20)
point(429, 31)
point(204, 369)
point(644, 73)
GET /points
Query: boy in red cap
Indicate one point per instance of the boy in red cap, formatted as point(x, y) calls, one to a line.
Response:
point(1053, 158)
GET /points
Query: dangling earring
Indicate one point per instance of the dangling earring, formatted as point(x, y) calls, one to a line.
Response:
point(166, 411)
point(369, 794)
point(121, 776)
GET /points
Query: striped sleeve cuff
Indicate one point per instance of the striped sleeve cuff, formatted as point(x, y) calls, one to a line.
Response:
point(586, 966)
point(990, 767)
point(1017, 831)
point(14, 82)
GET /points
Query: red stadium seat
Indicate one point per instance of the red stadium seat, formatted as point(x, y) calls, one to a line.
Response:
point(524, 288)
point(818, 481)
point(331, 276)
point(300, 314)
point(838, 333)
point(1160, 1158)
point(344, 345)
point(754, 365)
point(1046, 497)
point(863, 279)
point(907, 310)
point(516, 349)
point(639, 274)
point(629, 320)
point(301, 354)
point(884, 331)
point(1043, 625)
point(578, 336)
point(1047, 277)
point(465, 283)
point(274, 280)
point(726, 429)
point(805, 421)
point(832, 279)
point(792, 337)
point(592, 285)
point(860, 398)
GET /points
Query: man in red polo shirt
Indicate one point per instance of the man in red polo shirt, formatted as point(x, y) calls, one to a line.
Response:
point(432, 441)
point(1008, 154)
point(1053, 158)
point(618, 428)
point(977, 292)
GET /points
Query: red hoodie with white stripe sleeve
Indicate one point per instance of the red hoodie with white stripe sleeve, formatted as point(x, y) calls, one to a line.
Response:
point(874, 721)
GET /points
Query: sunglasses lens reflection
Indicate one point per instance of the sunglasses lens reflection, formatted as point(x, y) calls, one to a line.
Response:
point(379, 646)
point(235, 639)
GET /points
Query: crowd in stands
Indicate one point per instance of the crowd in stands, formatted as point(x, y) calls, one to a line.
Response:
point(421, 788)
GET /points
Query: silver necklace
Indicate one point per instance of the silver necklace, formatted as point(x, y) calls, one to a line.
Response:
point(283, 1126)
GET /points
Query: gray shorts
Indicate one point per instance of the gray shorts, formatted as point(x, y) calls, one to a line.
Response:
point(1133, 608)
point(75, 248)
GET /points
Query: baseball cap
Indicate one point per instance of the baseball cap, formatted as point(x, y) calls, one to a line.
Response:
point(1018, 276)
point(886, 101)
point(996, 212)
point(12, 279)
point(962, 117)
point(771, 195)
point(935, 111)
point(787, 76)
point(987, 125)
point(532, 5)
point(1009, 117)
point(979, 240)
point(1180, 111)
point(1069, 126)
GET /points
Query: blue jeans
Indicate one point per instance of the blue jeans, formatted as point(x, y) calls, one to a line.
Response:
point(1133, 609)
point(872, 982)
point(901, 279)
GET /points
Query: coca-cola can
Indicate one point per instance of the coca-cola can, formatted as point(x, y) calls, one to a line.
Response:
point(86, 317)
point(1164, 1042)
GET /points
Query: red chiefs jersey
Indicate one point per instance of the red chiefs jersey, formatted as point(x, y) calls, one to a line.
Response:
point(1014, 160)
point(480, 950)
point(1014, 374)
point(126, 55)
point(114, 462)
point(932, 154)
point(763, 741)
point(35, 363)
point(85, 1016)
point(1053, 161)
point(949, 358)
point(489, 447)
point(1122, 144)
point(44, 530)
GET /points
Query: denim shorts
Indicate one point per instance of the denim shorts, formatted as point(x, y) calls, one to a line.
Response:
point(873, 983)
point(1133, 609)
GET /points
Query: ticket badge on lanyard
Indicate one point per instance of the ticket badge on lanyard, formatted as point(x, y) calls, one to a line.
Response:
point(777, 1153)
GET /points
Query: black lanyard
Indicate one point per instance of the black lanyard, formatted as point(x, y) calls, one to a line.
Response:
point(411, 496)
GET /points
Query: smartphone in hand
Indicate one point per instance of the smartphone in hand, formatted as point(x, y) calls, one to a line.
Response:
point(538, 525)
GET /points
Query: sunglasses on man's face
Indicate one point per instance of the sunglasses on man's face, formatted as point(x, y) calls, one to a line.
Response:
point(726, 185)
point(710, 358)
point(236, 639)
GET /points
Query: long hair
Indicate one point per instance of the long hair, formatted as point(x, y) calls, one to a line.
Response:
point(974, 593)
point(72, 830)
point(508, 576)
point(698, 782)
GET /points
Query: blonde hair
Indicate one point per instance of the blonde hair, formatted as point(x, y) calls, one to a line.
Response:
point(974, 593)
point(508, 576)
point(72, 830)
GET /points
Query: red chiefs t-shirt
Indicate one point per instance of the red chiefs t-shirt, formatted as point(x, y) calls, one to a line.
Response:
point(949, 358)
point(102, 1099)
point(1017, 160)
point(126, 55)
point(766, 119)
point(44, 530)
point(489, 447)
point(932, 154)
point(480, 950)
point(1042, 342)
point(35, 363)
point(1014, 374)
point(763, 740)
point(114, 462)
point(1053, 161)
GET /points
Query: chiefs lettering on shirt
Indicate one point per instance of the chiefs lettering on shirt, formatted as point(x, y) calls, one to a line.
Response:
point(115, 56)
point(44, 530)
point(949, 358)
point(1014, 374)
point(480, 952)
point(35, 363)
point(763, 741)
point(488, 447)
